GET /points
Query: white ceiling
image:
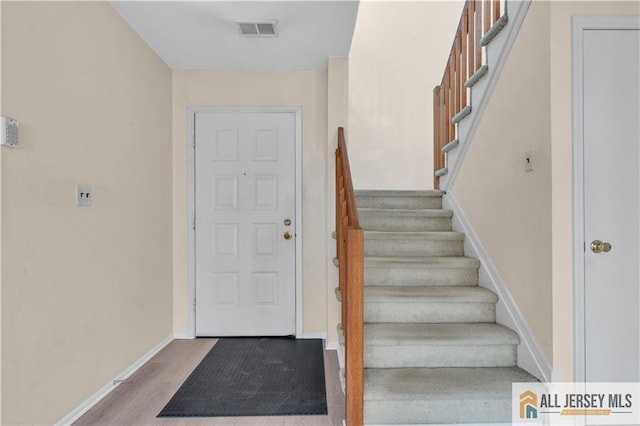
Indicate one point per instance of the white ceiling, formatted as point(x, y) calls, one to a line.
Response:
point(199, 35)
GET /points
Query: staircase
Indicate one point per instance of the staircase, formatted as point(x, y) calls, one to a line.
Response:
point(433, 353)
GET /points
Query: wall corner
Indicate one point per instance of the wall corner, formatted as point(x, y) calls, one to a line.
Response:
point(337, 116)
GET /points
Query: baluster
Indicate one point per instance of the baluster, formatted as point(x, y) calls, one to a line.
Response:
point(437, 139)
point(487, 15)
point(457, 74)
point(464, 56)
point(471, 18)
point(478, 36)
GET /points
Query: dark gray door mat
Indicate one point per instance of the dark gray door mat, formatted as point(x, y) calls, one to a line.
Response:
point(254, 377)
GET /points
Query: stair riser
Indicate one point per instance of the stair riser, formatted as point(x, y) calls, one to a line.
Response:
point(428, 356)
point(441, 277)
point(398, 202)
point(441, 411)
point(429, 312)
point(413, 247)
point(378, 222)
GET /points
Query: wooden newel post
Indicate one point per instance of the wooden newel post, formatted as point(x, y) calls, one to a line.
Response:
point(354, 374)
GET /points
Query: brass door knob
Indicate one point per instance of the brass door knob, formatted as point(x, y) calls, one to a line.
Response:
point(287, 235)
point(598, 246)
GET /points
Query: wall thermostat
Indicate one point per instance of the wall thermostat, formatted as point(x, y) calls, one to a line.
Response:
point(8, 131)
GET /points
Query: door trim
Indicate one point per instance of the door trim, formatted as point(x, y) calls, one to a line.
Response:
point(191, 115)
point(579, 24)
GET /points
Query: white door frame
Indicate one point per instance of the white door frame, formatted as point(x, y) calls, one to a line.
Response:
point(579, 24)
point(191, 115)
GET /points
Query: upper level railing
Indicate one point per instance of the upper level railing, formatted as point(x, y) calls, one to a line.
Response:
point(350, 249)
point(465, 65)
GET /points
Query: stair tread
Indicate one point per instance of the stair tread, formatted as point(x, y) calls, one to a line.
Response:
point(459, 383)
point(450, 334)
point(427, 213)
point(422, 261)
point(410, 294)
point(426, 317)
point(414, 235)
point(398, 193)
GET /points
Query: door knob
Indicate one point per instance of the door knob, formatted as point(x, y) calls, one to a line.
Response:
point(598, 246)
point(287, 235)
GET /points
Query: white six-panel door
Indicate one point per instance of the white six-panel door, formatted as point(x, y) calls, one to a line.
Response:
point(611, 155)
point(245, 223)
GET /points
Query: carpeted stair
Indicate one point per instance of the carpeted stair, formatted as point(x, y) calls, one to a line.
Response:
point(433, 351)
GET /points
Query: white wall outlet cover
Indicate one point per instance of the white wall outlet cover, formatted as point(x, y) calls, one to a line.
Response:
point(9, 131)
point(83, 195)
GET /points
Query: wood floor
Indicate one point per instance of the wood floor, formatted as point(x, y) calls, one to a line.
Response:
point(142, 396)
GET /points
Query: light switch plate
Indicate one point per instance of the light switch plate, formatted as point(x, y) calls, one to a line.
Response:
point(83, 195)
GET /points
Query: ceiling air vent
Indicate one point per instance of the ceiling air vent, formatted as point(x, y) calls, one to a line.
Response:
point(257, 28)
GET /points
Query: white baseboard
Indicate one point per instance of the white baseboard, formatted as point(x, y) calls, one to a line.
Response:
point(184, 336)
point(530, 356)
point(106, 389)
point(322, 336)
point(331, 346)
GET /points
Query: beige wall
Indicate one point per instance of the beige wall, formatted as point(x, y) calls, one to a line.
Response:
point(245, 88)
point(337, 115)
point(398, 55)
point(85, 291)
point(562, 172)
point(510, 209)
point(521, 216)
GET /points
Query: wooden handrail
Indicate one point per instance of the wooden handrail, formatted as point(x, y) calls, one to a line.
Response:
point(348, 181)
point(350, 252)
point(466, 58)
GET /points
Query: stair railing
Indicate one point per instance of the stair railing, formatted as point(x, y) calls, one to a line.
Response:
point(466, 64)
point(350, 252)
